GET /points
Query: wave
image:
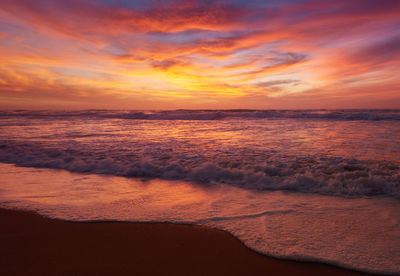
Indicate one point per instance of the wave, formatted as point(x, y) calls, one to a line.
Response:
point(369, 115)
point(336, 176)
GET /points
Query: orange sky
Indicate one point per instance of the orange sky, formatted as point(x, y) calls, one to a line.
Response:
point(79, 54)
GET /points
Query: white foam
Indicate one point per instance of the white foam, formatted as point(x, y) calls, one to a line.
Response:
point(312, 174)
point(334, 157)
point(360, 233)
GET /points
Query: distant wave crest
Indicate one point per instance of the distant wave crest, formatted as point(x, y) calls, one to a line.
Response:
point(212, 114)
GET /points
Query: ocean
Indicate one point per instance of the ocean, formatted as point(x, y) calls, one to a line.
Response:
point(320, 185)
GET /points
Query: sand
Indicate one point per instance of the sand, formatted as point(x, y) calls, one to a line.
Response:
point(34, 245)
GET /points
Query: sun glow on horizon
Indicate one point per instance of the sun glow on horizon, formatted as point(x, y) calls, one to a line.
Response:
point(199, 54)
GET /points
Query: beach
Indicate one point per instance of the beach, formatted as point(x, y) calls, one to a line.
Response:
point(292, 185)
point(35, 245)
point(181, 137)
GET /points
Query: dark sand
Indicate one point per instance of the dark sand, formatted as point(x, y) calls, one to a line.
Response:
point(34, 245)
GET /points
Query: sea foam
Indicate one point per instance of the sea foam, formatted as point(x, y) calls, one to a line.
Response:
point(361, 233)
point(311, 174)
point(338, 152)
point(312, 185)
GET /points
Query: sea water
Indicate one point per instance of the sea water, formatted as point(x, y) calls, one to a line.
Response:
point(308, 185)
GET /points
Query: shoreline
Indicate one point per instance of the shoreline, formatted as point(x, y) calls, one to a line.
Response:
point(36, 245)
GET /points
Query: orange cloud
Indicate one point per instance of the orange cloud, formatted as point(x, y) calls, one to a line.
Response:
point(218, 53)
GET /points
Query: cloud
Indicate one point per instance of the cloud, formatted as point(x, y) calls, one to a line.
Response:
point(382, 52)
point(166, 64)
point(276, 83)
point(210, 51)
point(90, 21)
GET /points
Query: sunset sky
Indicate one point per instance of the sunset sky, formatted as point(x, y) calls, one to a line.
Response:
point(74, 54)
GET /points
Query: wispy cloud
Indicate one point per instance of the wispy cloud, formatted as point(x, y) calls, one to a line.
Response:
point(224, 53)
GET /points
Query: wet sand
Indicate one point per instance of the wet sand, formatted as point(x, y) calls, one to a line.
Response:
point(34, 245)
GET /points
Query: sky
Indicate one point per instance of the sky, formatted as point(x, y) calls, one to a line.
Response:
point(199, 54)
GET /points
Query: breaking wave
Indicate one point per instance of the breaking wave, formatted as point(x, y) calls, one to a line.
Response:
point(373, 115)
point(336, 176)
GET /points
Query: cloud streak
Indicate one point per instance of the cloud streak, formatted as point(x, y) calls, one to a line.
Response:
point(216, 53)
